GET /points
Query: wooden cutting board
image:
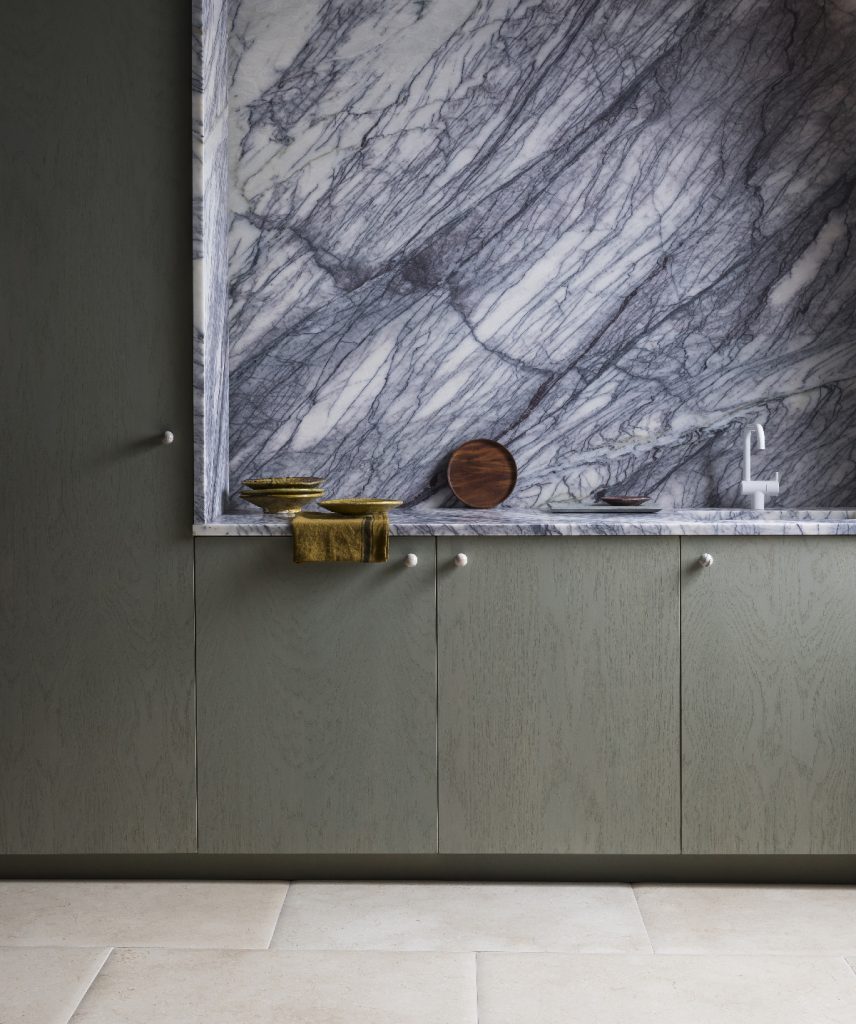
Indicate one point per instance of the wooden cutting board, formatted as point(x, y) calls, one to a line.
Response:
point(481, 473)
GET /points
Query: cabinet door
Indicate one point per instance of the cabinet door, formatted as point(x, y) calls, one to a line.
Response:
point(558, 669)
point(769, 695)
point(96, 566)
point(317, 691)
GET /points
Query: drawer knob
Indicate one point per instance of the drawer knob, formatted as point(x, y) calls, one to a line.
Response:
point(411, 560)
point(705, 560)
point(167, 437)
point(460, 559)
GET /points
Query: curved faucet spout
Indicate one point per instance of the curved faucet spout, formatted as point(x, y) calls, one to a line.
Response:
point(756, 488)
point(747, 448)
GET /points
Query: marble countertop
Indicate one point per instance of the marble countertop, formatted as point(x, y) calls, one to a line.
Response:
point(450, 522)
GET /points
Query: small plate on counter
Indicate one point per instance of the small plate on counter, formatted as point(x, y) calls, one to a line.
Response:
point(481, 473)
point(359, 506)
point(266, 483)
point(625, 499)
point(624, 510)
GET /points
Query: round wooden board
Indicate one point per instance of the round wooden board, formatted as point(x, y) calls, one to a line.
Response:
point(481, 473)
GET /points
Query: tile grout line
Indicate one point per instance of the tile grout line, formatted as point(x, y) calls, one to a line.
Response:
point(642, 919)
point(92, 980)
point(279, 914)
point(476, 956)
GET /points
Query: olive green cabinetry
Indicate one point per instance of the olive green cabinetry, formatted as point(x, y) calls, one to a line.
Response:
point(96, 559)
point(559, 695)
point(317, 701)
point(769, 695)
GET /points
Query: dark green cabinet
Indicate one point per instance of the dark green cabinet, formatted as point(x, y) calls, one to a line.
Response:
point(317, 701)
point(559, 695)
point(769, 695)
point(96, 567)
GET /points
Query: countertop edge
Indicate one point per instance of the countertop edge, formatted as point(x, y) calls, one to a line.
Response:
point(538, 523)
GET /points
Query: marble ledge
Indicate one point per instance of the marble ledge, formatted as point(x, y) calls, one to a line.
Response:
point(543, 523)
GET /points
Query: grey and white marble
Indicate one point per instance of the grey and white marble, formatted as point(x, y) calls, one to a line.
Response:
point(210, 257)
point(607, 234)
point(540, 522)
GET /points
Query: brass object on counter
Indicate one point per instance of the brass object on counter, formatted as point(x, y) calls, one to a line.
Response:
point(265, 483)
point(281, 503)
point(359, 506)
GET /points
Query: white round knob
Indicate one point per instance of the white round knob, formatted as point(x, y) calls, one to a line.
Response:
point(167, 437)
point(460, 559)
point(410, 560)
point(705, 560)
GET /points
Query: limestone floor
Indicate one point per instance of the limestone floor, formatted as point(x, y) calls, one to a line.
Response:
point(424, 953)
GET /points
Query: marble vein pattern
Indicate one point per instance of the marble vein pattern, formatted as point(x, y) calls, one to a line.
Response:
point(607, 234)
point(538, 522)
point(210, 261)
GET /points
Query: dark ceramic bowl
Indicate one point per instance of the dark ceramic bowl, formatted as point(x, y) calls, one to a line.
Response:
point(625, 499)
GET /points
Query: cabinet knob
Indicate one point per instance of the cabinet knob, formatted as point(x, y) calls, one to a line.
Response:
point(410, 560)
point(167, 437)
point(460, 559)
point(705, 560)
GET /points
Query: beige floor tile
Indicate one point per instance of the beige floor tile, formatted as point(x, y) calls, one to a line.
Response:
point(44, 986)
point(229, 915)
point(241, 987)
point(459, 918)
point(810, 920)
point(559, 989)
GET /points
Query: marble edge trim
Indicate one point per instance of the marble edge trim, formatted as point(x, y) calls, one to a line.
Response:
point(555, 526)
point(209, 97)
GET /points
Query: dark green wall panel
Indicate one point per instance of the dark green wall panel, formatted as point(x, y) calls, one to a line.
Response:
point(96, 637)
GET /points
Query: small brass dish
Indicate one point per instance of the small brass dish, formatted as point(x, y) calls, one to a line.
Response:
point(280, 504)
point(359, 506)
point(283, 491)
point(264, 483)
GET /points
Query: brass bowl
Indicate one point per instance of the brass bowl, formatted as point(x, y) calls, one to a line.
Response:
point(265, 483)
point(285, 491)
point(280, 504)
point(359, 506)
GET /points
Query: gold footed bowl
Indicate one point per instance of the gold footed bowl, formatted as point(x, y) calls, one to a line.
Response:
point(281, 502)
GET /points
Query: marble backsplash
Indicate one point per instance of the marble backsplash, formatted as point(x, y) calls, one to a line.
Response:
point(607, 234)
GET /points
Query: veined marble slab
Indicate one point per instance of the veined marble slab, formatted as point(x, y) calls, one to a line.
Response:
point(606, 234)
point(540, 522)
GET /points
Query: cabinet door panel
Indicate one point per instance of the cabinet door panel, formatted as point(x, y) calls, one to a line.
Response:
point(317, 695)
point(558, 669)
point(769, 695)
point(96, 566)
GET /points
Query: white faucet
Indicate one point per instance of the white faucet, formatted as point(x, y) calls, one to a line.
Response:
point(757, 488)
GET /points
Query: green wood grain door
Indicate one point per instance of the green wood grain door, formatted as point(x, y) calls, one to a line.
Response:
point(559, 713)
point(317, 692)
point(96, 560)
point(769, 695)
